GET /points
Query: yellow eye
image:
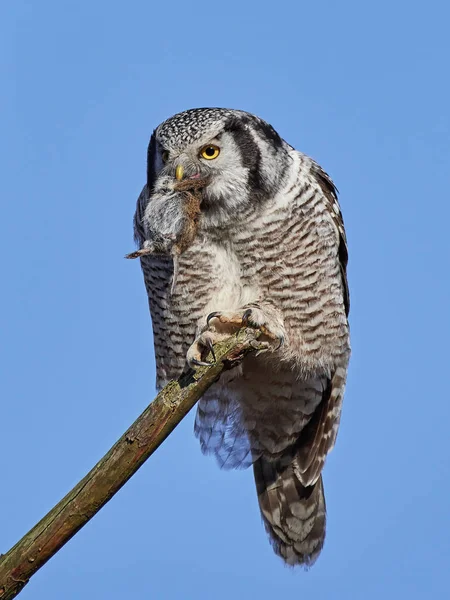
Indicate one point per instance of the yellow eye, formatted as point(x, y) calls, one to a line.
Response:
point(210, 152)
point(165, 156)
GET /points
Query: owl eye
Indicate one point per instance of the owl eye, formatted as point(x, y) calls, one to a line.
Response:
point(210, 152)
point(165, 156)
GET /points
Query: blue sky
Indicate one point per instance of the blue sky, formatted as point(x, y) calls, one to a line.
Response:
point(364, 89)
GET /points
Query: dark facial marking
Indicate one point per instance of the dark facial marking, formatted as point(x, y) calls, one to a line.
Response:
point(250, 153)
point(151, 154)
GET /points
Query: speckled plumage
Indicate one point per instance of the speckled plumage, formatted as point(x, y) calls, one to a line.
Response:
point(271, 240)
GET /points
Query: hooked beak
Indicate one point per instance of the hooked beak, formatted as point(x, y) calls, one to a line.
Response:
point(179, 172)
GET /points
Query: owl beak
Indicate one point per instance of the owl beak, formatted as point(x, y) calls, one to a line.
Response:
point(179, 172)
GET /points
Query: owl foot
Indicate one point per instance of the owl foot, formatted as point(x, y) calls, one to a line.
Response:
point(254, 317)
point(220, 326)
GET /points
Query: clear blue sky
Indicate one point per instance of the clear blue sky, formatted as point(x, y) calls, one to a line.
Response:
point(363, 88)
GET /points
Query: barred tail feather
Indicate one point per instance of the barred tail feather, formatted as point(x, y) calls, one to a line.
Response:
point(293, 514)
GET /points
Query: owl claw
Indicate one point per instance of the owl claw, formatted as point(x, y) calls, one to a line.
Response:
point(199, 350)
point(212, 315)
point(281, 342)
point(210, 347)
point(246, 317)
point(199, 363)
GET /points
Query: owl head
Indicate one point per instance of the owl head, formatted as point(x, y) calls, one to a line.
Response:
point(242, 157)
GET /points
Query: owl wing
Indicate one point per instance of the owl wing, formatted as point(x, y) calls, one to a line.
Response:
point(264, 415)
point(157, 271)
point(141, 203)
point(319, 436)
point(220, 428)
point(330, 193)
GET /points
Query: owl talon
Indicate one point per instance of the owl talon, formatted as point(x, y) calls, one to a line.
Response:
point(200, 349)
point(246, 317)
point(210, 347)
point(199, 363)
point(212, 315)
point(280, 342)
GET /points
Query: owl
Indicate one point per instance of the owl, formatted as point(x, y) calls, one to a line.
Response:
point(268, 251)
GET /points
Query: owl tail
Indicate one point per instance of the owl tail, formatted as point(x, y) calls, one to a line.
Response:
point(294, 515)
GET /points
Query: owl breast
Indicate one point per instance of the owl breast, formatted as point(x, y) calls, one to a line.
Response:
point(287, 254)
point(208, 279)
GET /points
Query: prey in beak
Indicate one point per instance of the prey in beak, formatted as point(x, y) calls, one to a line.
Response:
point(184, 201)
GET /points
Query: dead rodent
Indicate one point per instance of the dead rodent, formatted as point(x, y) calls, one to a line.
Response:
point(171, 223)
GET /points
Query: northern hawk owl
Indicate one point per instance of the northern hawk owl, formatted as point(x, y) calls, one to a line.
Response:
point(268, 251)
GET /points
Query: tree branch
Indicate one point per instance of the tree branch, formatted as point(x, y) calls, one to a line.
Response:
point(107, 477)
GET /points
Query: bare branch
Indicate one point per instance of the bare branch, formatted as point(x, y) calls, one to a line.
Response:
point(123, 460)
